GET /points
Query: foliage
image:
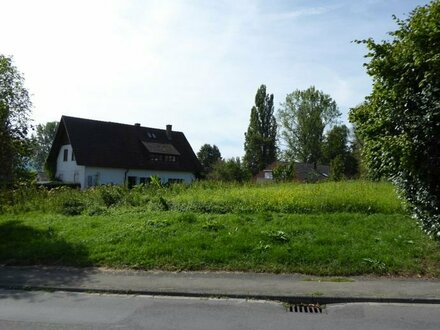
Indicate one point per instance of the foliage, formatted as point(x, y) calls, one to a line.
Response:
point(15, 107)
point(155, 181)
point(208, 156)
point(337, 168)
point(337, 151)
point(260, 138)
point(335, 143)
point(217, 197)
point(42, 142)
point(111, 195)
point(72, 207)
point(284, 172)
point(399, 121)
point(303, 117)
point(230, 170)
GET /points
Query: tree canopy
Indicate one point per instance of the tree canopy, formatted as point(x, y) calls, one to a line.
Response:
point(42, 142)
point(399, 121)
point(208, 155)
point(15, 106)
point(260, 138)
point(335, 143)
point(230, 170)
point(303, 117)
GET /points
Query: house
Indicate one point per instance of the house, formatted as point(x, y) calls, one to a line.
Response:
point(301, 172)
point(90, 153)
point(308, 172)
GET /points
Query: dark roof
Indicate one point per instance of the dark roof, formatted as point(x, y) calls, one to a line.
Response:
point(302, 171)
point(114, 145)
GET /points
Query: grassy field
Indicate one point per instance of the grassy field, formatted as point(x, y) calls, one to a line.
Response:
point(343, 228)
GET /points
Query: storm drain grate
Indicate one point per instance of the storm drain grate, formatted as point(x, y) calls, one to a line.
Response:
point(305, 308)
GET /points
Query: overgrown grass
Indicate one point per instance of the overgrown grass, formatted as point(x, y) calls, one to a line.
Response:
point(221, 198)
point(344, 228)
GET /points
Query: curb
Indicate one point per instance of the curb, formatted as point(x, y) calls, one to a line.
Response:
point(291, 299)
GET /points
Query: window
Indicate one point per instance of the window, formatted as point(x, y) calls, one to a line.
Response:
point(156, 157)
point(66, 155)
point(73, 156)
point(143, 180)
point(268, 175)
point(163, 158)
point(131, 182)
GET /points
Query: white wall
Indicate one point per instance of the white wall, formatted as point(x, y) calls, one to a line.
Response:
point(69, 171)
point(102, 175)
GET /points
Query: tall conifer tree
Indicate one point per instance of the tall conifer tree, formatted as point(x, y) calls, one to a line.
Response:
point(260, 138)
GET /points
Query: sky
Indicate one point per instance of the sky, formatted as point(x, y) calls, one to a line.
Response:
point(194, 64)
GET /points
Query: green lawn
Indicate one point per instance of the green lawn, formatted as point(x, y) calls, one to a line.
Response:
point(342, 228)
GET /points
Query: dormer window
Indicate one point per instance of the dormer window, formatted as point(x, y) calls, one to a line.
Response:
point(66, 155)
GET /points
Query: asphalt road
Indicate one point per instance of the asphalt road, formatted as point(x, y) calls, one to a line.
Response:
point(63, 310)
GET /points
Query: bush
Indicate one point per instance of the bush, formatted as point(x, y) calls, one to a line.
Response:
point(284, 172)
point(111, 195)
point(187, 218)
point(337, 168)
point(399, 122)
point(72, 207)
point(159, 204)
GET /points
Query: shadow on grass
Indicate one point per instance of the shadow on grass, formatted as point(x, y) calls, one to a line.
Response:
point(25, 245)
point(28, 256)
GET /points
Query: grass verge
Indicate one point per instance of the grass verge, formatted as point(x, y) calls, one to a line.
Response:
point(338, 243)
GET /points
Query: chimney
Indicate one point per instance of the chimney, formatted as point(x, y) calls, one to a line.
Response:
point(169, 128)
point(137, 125)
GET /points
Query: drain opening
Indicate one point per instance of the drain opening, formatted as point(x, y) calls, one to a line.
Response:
point(305, 308)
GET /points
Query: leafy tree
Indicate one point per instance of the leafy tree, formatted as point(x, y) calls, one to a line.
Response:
point(337, 167)
point(15, 107)
point(42, 142)
point(399, 122)
point(260, 139)
point(208, 156)
point(229, 171)
point(303, 117)
point(284, 172)
point(335, 143)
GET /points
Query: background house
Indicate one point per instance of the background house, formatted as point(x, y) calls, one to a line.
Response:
point(301, 172)
point(91, 152)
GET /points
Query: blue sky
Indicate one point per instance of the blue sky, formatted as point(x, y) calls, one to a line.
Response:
point(193, 64)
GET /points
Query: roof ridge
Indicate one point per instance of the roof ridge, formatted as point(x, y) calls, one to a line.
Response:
point(115, 123)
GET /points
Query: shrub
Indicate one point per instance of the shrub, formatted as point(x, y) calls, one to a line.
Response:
point(337, 168)
point(284, 172)
point(187, 218)
point(399, 121)
point(72, 207)
point(111, 195)
point(159, 204)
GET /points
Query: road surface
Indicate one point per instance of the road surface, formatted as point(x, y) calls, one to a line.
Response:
point(64, 310)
